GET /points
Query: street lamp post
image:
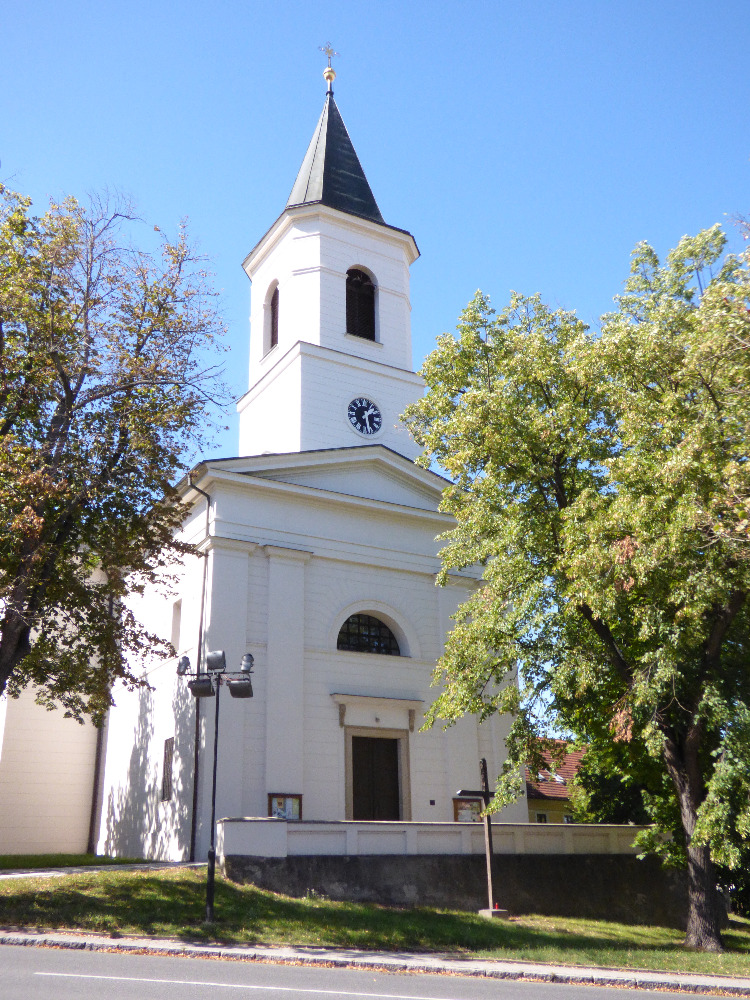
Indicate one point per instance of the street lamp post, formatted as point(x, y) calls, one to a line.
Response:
point(208, 685)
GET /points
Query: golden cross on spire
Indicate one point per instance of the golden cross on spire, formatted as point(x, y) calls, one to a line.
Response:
point(328, 49)
point(329, 74)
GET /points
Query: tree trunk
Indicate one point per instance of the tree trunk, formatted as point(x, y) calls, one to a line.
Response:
point(704, 912)
point(15, 644)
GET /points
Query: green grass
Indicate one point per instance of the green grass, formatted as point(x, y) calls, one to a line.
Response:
point(171, 903)
point(30, 861)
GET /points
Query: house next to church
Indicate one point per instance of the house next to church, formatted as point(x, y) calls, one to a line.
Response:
point(319, 557)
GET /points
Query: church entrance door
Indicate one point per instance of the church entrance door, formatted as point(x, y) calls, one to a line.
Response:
point(375, 778)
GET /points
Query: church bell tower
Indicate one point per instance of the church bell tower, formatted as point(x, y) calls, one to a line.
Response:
point(330, 344)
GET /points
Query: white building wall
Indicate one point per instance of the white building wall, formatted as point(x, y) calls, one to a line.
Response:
point(135, 821)
point(290, 566)
point(47, 765)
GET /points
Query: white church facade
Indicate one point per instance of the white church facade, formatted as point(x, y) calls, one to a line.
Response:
point(319, 556)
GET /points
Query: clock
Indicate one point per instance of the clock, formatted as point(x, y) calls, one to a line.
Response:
point(364, 416)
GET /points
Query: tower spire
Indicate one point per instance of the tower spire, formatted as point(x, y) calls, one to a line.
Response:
point(331, 173)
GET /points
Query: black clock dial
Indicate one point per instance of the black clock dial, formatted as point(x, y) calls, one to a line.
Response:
point(364, 416)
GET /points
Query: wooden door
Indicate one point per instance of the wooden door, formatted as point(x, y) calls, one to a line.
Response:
point(375, 785)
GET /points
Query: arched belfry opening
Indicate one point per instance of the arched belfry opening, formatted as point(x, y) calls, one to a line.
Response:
point(360, 304)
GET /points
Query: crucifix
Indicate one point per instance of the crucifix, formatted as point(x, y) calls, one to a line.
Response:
point(484, 793)
point(329, 74)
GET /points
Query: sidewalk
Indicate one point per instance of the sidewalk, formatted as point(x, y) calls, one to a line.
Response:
point(392, 962)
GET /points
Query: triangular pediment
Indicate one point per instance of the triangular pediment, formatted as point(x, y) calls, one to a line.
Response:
point(370, 472)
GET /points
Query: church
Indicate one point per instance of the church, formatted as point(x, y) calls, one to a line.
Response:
point(318, 557)
point(316, 552)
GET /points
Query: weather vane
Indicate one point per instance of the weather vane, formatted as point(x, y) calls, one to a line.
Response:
point(329, 74)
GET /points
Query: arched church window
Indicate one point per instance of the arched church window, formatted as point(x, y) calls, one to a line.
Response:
point(366, 634)
point(274, 324)
point(360, 304)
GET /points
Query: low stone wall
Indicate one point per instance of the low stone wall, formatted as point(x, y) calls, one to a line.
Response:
point(614, 887)
point(277, 838)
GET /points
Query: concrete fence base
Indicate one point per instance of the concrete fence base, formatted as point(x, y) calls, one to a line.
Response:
point(600, 886)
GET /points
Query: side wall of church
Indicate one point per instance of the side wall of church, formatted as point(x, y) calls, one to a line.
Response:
point(141, 815)
point(47, 767)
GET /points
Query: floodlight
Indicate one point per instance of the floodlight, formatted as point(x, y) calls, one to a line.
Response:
point(202, 687)
point(240, 687)
point(216, 661)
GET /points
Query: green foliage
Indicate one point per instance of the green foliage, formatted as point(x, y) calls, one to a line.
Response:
point(602, 482)
point(103, 388)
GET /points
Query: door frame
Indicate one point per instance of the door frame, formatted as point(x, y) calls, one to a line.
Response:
point(404, 779)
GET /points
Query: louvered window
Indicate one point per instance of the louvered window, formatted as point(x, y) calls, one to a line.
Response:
point(360, 304)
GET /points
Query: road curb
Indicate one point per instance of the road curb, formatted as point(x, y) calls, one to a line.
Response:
point(400, 962)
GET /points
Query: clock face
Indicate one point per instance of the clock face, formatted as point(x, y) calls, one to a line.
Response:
point(364, 416)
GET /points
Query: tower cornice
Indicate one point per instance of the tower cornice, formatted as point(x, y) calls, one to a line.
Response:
point(312, 210)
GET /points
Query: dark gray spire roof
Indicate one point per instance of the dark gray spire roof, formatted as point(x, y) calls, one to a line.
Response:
point(331, 173)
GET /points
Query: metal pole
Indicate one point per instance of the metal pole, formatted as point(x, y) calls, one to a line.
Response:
point(487, 829)
point(212, 849)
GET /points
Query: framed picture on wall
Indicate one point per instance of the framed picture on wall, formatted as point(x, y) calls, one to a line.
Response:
point(284, 806)
point(467, 810)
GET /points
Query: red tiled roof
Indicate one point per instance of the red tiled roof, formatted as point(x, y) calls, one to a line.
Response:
point(547, 784)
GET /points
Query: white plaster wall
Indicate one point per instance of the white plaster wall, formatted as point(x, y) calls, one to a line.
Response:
point(308, 254)
point(270, 415)
point(302, 404)
point(331, 381)
point(293, 405)
point(46, 780)
point(135, 821)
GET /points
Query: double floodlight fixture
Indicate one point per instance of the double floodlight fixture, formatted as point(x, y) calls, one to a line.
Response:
point(202, 685)
point(207, 684)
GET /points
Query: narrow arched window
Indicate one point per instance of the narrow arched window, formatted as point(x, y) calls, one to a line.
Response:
point(274, 338)
point(366, 634)
point(360, 304)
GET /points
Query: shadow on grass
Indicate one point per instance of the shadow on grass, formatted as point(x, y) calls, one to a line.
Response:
point(172, 904)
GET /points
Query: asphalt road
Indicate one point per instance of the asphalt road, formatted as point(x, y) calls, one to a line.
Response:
point(28, 973)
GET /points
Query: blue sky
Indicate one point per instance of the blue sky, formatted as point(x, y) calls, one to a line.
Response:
point(526, 146)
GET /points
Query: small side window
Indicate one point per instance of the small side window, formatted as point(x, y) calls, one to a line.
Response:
point(274, 335)
point(166, 774)
point(176, 625)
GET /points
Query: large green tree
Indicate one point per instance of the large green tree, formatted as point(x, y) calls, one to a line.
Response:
point(602, 482)
point(104, 389)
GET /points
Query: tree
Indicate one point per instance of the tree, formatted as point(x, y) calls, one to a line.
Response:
point(103, 387)
point(602, 482)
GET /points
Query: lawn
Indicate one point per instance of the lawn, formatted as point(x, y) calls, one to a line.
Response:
point(171, 903)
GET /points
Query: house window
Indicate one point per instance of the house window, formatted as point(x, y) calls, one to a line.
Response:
point(360, 304)
point(541, 817)
point(366, 634)
point(166, 774)
point(274, 310)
